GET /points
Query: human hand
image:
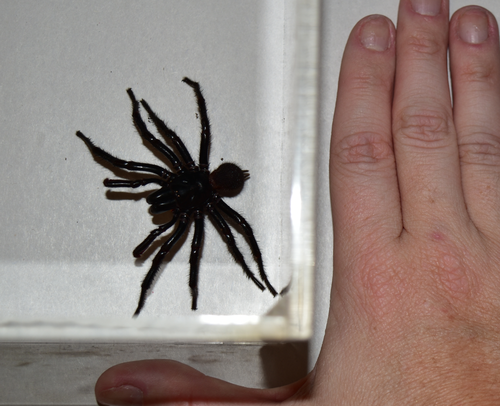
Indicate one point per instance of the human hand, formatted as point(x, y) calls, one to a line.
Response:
point(415, 189)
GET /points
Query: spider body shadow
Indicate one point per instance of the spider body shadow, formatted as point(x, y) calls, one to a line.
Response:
point(190, 191)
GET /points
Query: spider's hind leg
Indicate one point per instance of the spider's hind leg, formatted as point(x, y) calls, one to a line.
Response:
point(222, 226)
point(194, 260)
point(120, 163)
point(131, 183)
point(153, 235)
point(205, 123)
point(158, 259)
point(251, 239)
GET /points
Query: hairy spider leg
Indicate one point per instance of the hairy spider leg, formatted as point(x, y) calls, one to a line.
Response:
point(194, 259)
point(222, 226)
point(131, 183)
point(153, 235)
point(158, 259)
point(205, 124)
point(146, 135)
point(167, 133)
point(120, 163)
point(234, 215)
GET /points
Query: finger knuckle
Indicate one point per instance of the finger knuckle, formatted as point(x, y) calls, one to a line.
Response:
point(423, 128)
point(480, 148)
point(479, 71)
point(368, 148)
point(424, 44)
point(370, 78)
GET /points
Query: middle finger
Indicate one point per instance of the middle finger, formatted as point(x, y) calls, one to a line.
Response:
point(425, 143)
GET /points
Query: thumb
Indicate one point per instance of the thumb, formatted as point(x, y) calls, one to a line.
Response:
point(158, 382)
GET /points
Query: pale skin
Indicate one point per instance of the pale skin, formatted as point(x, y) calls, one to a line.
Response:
point(415, 191)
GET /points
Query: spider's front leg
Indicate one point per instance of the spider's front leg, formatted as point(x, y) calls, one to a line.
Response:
point(146, 134)
point(167, 133)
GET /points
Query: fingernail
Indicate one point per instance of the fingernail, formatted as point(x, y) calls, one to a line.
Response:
point(473, 27)
point(125, 395)
point(426, 7)
point(376, 34)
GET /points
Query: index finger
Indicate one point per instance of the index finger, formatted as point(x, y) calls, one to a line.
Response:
point(364, 189)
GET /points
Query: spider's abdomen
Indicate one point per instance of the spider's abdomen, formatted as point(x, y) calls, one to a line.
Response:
point(187, 191)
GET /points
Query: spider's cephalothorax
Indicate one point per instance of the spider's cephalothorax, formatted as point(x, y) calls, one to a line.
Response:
point(189, 191)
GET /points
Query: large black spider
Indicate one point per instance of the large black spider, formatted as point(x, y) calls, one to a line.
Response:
point(189, 191)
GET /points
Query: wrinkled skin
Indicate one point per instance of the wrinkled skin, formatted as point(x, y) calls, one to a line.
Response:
point(415, 308)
